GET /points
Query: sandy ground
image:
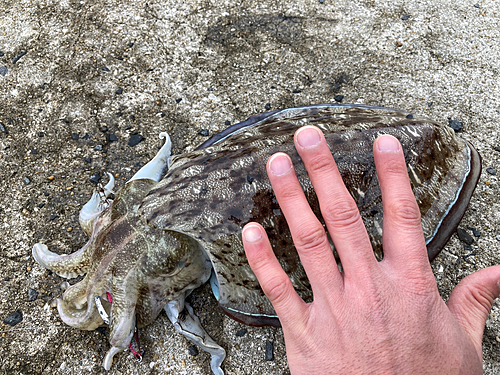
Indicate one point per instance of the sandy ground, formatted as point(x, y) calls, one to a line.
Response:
point(78, 74)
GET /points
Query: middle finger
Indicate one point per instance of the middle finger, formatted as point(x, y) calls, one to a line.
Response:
point(340, 212)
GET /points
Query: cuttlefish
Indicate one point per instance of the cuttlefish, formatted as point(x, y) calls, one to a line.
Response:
point(161, 238)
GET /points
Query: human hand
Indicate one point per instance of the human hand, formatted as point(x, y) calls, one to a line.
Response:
point(374, 317)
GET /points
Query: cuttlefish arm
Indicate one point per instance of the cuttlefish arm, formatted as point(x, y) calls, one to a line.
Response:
point(189, 325)
point(156, 166)
point(96, 205)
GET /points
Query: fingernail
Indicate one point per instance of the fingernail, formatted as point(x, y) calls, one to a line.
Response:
point(251, 233)
point(280, 164)
point(387, 143)
point(308, 137)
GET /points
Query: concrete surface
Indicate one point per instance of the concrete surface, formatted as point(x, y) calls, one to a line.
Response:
point(226, 60)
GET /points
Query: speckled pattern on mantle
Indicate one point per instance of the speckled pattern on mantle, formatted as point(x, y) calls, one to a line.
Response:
point(86, 87)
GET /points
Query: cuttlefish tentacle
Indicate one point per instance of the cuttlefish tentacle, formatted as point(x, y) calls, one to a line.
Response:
point(68, 265)
point(156, 166)
point(96, 205)
point(123, 317)
point(76, 295)
point(74, 264)
point(86, 319)
point(77, 307)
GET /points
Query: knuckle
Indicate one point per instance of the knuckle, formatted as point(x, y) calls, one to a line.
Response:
point(320, 164)
point(311, 238)
point(404, 211)
point(342, 213)
point(278, 290)
point(393, 168)
point(478, 296)
point(289, 194)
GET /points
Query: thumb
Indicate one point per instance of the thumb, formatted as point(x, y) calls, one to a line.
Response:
point(472, 299)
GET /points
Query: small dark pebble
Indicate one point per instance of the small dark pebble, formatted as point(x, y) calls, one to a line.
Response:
point(87, 160)
point(210, 89)
point(497, 148)
point(98, 147)
point(40, 134)
point(105, 68)
point(7, 278)
point(455, 125)
point(242, 332)
point(162, 115)
point(131, 44)
point(135, 140)
point(18, 57)
point(2, 128)
point(178, 100)
point(86, 136)
point(227, 122)
point(467, 248)
point(4, 70)
point(41, 205)
point(53, 217)
point(404, 17)
point(104, 129)
point(119, 114)
point(119, 91)
point(26, 181)
point(95, 178)
point(250, 178)
point(339, 98)
point(75, 136)
point(269, 351)
point(321, 1)
point(267, 106)
point(204, 132)
point(410, 116)
point(296, 90)
point(42, 86)
point(476, 5)
point(46, 193)
point(101, 330)
point(273, 87)
point(492, 171)
point(430, 104)
point(464, 236)
point(32, 294)
point(475, 232)
point(193, 350)
point(1, 54)
point(14, 318)
point(132, 117)
point(113, 137)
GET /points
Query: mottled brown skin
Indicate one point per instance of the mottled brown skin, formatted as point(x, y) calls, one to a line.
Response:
point(211, 193)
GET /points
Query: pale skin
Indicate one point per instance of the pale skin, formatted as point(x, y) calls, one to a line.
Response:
point(374, 317)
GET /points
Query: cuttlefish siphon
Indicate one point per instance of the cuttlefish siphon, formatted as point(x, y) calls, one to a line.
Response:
point(159, 239)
